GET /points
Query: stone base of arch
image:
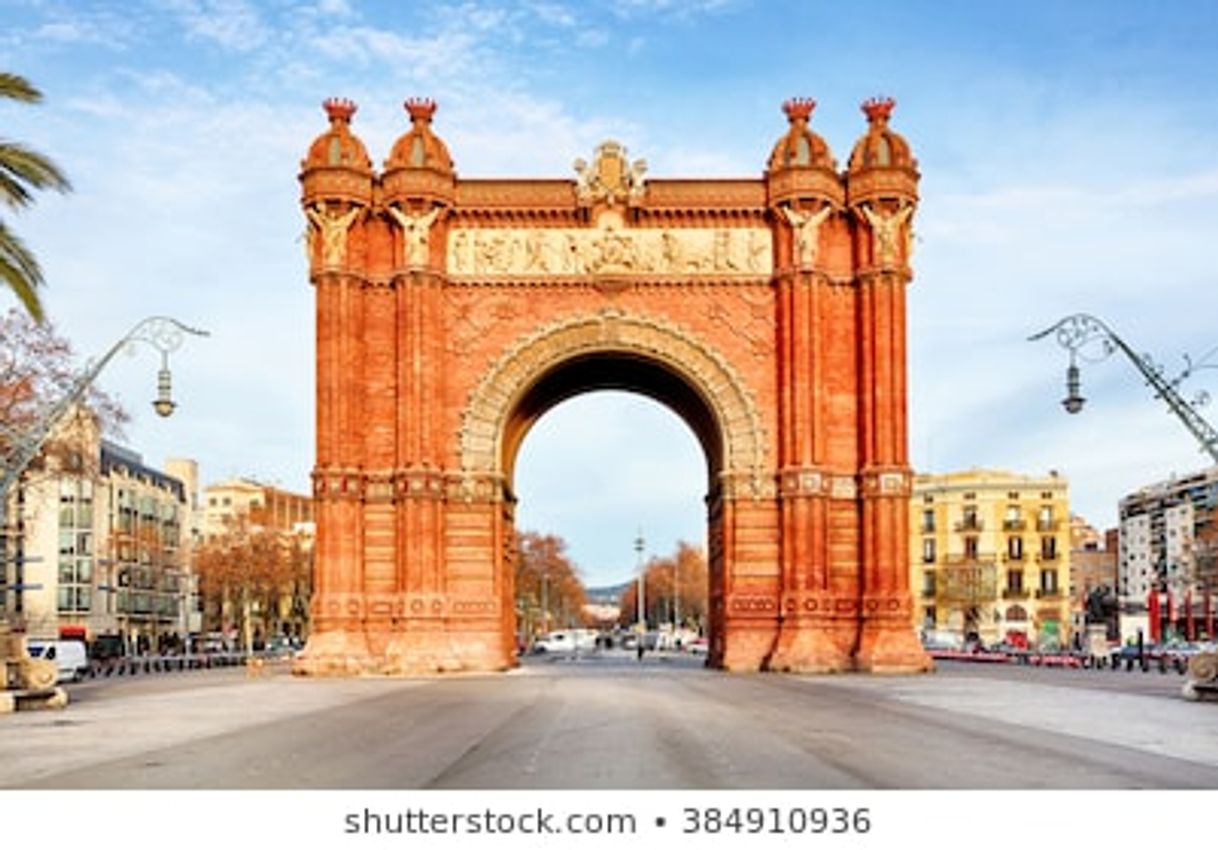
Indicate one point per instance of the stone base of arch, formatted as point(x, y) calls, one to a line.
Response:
point(891, 647)
point(410, 650)
point(807, 645)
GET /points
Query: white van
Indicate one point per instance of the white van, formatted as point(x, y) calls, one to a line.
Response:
point(568, 640)
point(69, 657)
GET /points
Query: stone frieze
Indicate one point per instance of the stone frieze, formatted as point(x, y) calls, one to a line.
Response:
point(609, 249)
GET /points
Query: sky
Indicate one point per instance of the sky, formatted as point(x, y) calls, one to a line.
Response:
point(1069, 161)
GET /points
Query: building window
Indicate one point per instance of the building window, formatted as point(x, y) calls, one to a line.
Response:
point(970, 547)
point(1015, 548)
point(928, 583)
point(1048, 582)
point(1015, 581)
point(928, 550)
point(1013, 519)
point(969, 520)
point(1044, 519)
point(929, 617)
point(70, 598)
point(928, 520)
point(1048, 548)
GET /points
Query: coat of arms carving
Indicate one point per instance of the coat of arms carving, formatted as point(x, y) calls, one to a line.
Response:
point(611, 177)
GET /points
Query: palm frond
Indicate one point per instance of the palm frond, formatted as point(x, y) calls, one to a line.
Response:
point(16, 87)
point(21, 167)
point(20, 271)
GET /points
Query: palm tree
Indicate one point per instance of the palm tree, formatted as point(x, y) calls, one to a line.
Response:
point(22, 170)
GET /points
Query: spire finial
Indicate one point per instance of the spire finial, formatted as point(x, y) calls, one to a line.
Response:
point(420, 108)
point(339, 109)
point(877, 109)
point(799, 108)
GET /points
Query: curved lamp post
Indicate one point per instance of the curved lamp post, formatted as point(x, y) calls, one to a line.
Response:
point(161, 332)
point(1082, 333)
point(20, 447)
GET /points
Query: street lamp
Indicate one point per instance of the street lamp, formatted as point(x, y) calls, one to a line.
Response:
point(638, 548)
point(1082, 332)
point(1073, 402)
point(161, 332)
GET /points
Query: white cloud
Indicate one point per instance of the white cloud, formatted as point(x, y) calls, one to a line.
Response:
point(335, 8)
point(233, 24)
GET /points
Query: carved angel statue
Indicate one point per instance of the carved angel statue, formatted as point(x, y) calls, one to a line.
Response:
point(332, 227)
point(807, 228)
point(584, 178)
point(636, 181)
point(416, 233)
point(884, 229)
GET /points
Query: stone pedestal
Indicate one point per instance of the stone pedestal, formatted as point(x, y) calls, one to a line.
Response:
point(888, 646)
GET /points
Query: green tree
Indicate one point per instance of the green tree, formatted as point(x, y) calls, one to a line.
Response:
point(21, 171)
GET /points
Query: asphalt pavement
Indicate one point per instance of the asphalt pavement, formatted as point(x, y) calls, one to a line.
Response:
point(606, 720)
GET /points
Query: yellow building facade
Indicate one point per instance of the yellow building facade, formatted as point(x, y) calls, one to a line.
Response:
point(990, 557)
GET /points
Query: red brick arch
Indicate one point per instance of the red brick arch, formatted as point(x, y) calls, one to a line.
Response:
point(736, 448)
point(452, 313)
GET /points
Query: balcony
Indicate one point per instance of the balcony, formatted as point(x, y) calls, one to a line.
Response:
point(969, 524)
point(1014, 525)
point(1048, 524)
point(1054, 593)
point(1014, 593)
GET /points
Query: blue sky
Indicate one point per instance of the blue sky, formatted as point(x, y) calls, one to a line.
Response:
point(1068, 153)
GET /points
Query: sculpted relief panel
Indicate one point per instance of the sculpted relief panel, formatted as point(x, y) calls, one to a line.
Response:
point(609, 248)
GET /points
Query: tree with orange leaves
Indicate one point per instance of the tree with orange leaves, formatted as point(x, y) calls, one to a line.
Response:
point(253, 577)
point(685, 571)
point(549, 593)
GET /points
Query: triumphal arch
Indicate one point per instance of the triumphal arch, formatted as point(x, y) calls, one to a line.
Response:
point(767, 312)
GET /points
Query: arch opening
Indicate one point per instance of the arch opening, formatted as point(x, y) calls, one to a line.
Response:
point(622, 371)
point(612, 564)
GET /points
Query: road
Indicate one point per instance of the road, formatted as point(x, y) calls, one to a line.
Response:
point(608, 721)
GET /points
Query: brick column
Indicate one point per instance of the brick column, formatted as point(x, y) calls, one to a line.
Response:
point(887, 642)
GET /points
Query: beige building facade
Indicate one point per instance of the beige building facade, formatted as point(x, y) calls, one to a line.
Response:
point(990, 557)
point(97, 545)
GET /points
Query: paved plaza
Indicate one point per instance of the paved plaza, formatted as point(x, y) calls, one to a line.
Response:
point(607, 721)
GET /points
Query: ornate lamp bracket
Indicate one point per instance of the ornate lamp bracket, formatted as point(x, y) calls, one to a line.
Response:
point(1089, 339)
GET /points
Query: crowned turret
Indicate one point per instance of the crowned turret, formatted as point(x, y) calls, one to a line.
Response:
point(337, 167)
point(419, 167)
point(801, 166)
point(881, 163)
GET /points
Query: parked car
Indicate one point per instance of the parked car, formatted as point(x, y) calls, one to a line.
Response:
point(107, 647)
point(698, 646)
point(69, 657)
